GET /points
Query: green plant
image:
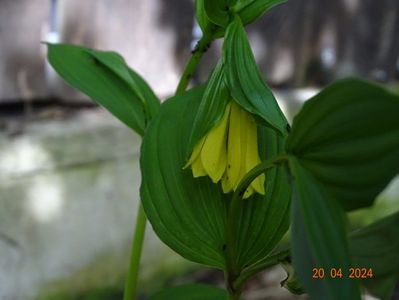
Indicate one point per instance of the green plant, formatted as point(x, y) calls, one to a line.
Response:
point(224, 175)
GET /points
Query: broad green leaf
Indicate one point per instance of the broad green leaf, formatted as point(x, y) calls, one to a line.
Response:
point(377, 247)
point(245, 81)
point(211, 108)
point(189, 214)
point(347, 136)
point(191, 292)
point(106, 81)
point(250, 10)
point(217, 11)
point(319, 238)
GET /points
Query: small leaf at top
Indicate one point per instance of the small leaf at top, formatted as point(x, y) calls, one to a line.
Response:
point(245, 81)
point(217, 11)
point(250, 10)
point(205, 23)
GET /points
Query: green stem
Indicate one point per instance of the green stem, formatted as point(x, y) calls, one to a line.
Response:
point(137, 245)
point(201, 47)
point(235, 208)
point(138, 239)
point(260, 266)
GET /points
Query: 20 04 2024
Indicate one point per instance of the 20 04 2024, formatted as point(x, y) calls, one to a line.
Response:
point(352, 273)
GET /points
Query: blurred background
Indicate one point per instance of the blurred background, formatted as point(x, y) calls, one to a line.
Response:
point(69, 173)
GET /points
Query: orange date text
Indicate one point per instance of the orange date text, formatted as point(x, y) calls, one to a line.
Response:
point(351, 273)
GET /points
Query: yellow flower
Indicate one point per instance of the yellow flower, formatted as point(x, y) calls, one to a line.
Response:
point(229, 151)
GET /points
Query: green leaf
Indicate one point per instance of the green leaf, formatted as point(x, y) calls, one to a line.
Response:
point(377, 247)
point(245, 81)
point(250, 10)
point(347, 137)
point(211, 108)
point(291, 283)
point(274, 258)
point(140, 88)
point(217, 11)
point(146, 94)
point(191, 292)
point(206, 25)
point(189, 214)
point(319, 238)
point(104, 77)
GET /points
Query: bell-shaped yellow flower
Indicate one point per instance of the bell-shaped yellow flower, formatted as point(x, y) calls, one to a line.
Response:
point(229, 151)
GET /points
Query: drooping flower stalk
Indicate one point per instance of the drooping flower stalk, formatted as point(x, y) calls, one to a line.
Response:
point(229, 151)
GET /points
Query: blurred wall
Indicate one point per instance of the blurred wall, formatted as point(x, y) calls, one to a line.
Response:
point(298, 43)
point(149, 34)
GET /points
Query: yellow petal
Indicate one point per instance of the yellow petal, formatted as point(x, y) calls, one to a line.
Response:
point(196, 152)
point(214, 152)
point(227, 187)
point(248, 192)
point(234, 148)
point(252, 156)
point(195, 160)
point(245, 118)
point(198, 168)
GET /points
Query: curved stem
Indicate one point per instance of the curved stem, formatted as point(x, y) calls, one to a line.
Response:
point(235, 208)
point(137, 245)
point(201, 47)
point(266, 263)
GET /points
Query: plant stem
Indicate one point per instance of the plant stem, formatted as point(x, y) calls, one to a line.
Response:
point(138, 239)
point(235, 208)
point(266, 263)
point(201, 47)
point(137, 246)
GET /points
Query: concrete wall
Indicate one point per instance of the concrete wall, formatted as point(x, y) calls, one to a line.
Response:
point(68, 199)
